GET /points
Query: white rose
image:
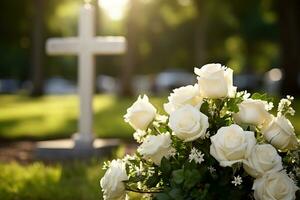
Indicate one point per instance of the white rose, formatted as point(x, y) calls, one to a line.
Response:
point(274, 186)
point(155, 147)
point(231, 144)
point(215, 81)
point(252, 111)
point(280, 133)
point(184, 95)
point(263, 159)
point(112, 182)
point(188, 123)
point(140, 114)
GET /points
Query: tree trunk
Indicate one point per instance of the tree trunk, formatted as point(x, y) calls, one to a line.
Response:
point(38, 48)
point(131, 56)
point(289, 23)
point(201, 33)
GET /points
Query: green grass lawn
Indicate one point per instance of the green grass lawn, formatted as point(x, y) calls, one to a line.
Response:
point(50, 117)
point(37, 181)
point(78, 180)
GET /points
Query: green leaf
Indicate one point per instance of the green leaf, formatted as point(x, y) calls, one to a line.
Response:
point(135, 179)
point(176, 193)
point(165, 166)
point(263, 97)
point(152, 181)
point(205, 108)
point(192, 177)
point(178, 176)
point(163, 196)
point(232, 104)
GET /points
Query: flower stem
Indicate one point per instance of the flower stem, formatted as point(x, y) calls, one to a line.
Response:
point(143, 191)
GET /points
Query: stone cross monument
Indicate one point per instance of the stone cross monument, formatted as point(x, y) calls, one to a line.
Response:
point(86, 46)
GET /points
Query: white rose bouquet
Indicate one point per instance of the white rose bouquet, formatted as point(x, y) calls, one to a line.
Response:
point(214, 143)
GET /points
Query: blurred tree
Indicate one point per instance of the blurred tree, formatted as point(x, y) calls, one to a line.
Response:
point(14, 39)
point(201, 23)
point(167, 36)
point(252, 35)
point(38, 41)
point(289, 22)
point(162, 35)
point(132, 54)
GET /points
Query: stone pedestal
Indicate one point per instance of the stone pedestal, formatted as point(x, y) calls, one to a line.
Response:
point(68, 149)
point(83, 141)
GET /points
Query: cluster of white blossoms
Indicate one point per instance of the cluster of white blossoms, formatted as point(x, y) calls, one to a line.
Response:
point(196, 156)
point(233, 144)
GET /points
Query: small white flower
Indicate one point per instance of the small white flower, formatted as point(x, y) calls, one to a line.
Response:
point(139, 135)
point(172, 152)
point(284, 106)
point(289, 97)
point(270, 105)
point(196, 156)
point(211, 169)
point(127, 158)
point(106, 165)
point(161, 118)
point(243, 94)
point(207, 134)
point(139, 170)
point(156, 124)
point(237, 180)
point(151, 171)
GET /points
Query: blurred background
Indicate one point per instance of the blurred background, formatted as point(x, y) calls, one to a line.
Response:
point(258, 39)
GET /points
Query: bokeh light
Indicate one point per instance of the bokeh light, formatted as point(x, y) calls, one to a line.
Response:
point(275, 74)
point(115, 9)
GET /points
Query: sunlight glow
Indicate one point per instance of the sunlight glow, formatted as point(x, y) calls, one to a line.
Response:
point(115, 9)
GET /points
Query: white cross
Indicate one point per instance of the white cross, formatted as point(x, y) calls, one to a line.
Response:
point(86, 46)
